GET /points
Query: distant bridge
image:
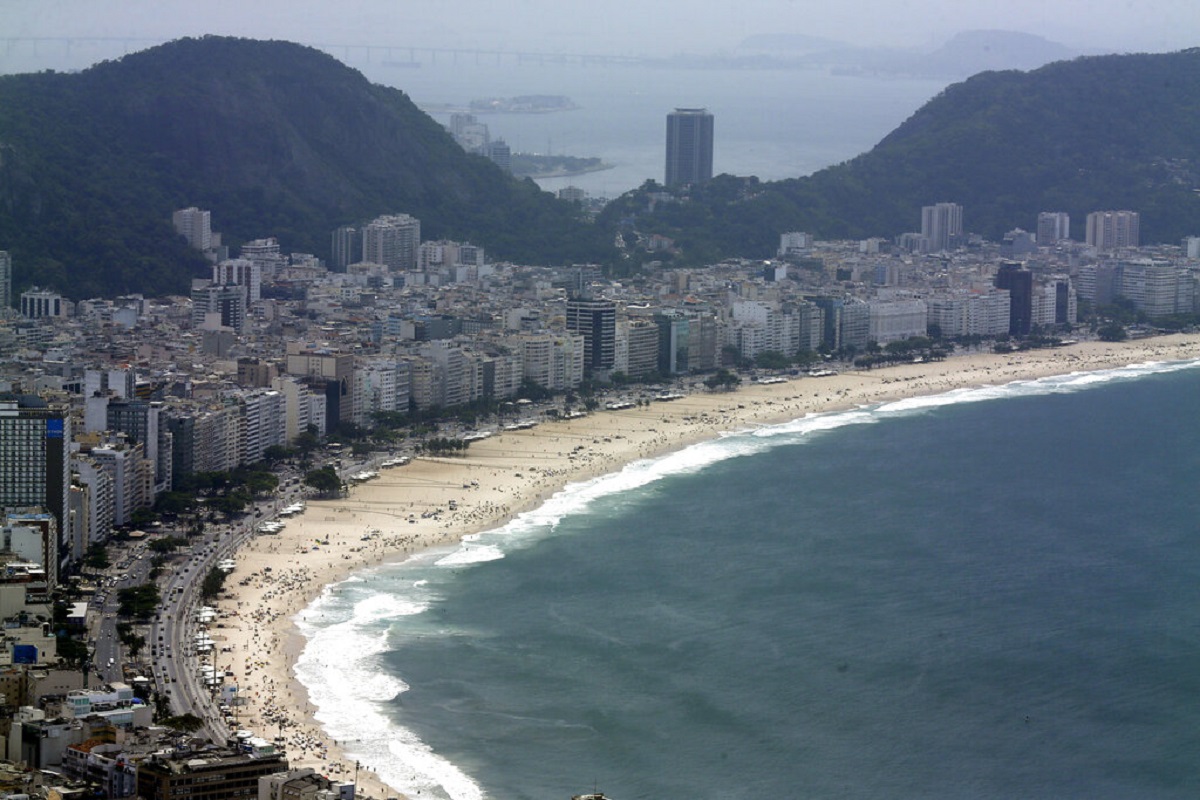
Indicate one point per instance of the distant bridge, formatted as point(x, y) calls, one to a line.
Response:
point(100, 47)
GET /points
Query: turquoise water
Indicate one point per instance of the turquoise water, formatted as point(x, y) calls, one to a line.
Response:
point(989, 594)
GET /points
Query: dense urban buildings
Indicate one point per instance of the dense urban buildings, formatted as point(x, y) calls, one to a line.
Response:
point(689, 146)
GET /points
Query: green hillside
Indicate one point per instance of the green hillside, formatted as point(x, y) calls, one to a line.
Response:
point(274, 138)
point(1107, 132)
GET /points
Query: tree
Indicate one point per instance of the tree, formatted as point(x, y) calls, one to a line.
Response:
point(771, 359)
point(167, 544)
point(187, 723)
point(212, 584)
point(722, 379)
point(1112, 332)
point(96, 557)
point(72, 652)
point(138, 601)
point(325, 480)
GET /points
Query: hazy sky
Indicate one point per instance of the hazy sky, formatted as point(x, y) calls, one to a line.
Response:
point(634, 27)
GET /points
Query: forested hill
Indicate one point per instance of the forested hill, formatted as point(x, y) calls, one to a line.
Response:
point(1108, 132)
point(274, 138)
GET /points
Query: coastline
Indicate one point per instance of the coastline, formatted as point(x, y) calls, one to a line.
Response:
point(278, 576)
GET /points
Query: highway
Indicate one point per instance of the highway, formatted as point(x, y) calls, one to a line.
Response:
point(169, 657)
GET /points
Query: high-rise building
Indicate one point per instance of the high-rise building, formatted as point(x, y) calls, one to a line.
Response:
point(195, 226)
point(392, 240)
point(5, 279)
point(227, 301)
point(37, 303)
point(596, 321)
point(1052, 227)
point(240, 272)
point(35, 462)
point(1019, 283)
point(500, 154)
point(942, 225)
point(1107, 230)
point(689, 146)
point(347, 247)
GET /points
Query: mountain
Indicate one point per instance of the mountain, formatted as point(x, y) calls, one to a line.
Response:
point(274, 138)
point(1095, 133)
point(970, 52)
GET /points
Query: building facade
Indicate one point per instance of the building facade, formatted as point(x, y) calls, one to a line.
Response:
point(689, 146)
point(942, 225)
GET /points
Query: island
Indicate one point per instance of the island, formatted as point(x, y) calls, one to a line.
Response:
point(534, 165)
point(523, 104)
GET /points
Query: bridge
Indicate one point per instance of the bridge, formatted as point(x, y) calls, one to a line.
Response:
point(96, 48)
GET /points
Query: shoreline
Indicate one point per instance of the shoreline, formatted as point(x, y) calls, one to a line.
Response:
point(407, 510)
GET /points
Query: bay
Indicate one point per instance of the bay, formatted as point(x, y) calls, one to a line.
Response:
point(773, 124)
point(991, 593)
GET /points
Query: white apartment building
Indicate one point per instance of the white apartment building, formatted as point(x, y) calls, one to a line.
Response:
point(893, 320)
point(240, 272)
point(99, 498)
point(970, 314)
point(195, 226)
point(392, 240)
point(263, 423)
point(552, 360)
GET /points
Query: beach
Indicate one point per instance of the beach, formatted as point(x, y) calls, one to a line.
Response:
point(434, 502)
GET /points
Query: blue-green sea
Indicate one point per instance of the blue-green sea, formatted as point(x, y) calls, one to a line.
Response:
point(991, 593)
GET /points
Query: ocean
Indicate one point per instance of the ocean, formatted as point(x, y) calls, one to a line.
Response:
point(988, 593)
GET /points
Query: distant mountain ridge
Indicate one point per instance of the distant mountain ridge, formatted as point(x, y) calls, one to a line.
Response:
point(1094, 133)
point(274, 138)
point(961, 56)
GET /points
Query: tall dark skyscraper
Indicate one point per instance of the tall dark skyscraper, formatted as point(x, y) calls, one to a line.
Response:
point(1019, 282)
point(689, 146)
point(596, 321)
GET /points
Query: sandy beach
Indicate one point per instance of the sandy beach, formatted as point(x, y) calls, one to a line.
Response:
point(408, 509)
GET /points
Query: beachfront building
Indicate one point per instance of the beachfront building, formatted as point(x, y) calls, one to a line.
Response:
point(596, 321)
point(263, 418)
point(893, 320)
point(1054, 303)
point(302, 784)
point(551, 360)
point(1018, 281)
point(969, 313)
point(210, 774)
point(636, 348)
point(1156, 287)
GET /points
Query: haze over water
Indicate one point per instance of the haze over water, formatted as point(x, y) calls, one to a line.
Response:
point(770, 123)
point(989, 593)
